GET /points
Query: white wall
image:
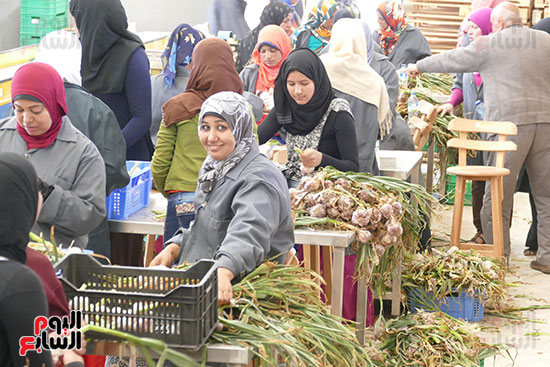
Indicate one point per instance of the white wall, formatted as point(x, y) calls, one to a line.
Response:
point(165, 15)
point(157, 15)
point(9, 24)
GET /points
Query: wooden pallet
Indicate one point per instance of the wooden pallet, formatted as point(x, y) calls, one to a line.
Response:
point(440, 20)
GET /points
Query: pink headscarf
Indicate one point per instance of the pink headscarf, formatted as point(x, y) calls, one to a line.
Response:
point(41, 81)
point(482, 18)
point(476, 4)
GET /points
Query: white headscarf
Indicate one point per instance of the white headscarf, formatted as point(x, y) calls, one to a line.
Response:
point(63, 51)
point(235, 110)
point(348, 68)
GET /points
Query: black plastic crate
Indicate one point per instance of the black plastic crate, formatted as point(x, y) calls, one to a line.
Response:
point(179, 307)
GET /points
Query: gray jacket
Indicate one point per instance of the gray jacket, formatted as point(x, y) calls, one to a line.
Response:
point(383, 66)
point(409, 48)
point(249, 76)
point(515, 70)
point(73, 165)
point(399, 137)
point(160, 94)
point(245, 220)
point(367, 130)
point(98, 122)
point(471, 94)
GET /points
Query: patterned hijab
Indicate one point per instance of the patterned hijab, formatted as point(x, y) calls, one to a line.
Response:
point(349, 71)
point(394, 15)
point(212, 71)
point(274, 36)
point(235, 110)
point(323, 11)
point(295, 16)
point(179, 50)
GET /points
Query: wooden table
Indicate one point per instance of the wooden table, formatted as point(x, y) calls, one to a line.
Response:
point(232, 356)
point(327, 240)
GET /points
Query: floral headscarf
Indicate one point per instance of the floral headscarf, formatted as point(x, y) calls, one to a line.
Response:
point(179, 50)
point(394, 15)
point(235, 110)
point(323, 11)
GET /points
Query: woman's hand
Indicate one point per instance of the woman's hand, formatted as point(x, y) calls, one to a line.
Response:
point(166, 256)
point(267, 99)
point(311, 158)
point(445, 109)
point(225, 289)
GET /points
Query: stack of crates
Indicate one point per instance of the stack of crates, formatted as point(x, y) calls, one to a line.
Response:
point(40, 17)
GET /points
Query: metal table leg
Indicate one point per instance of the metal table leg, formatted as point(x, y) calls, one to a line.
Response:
point(361, 313)
point(338, 281)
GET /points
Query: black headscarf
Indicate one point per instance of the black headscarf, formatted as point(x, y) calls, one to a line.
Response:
point(107, 45)
point(302, 119)
point(543, 25)
point(274, 13)
point(18, 205)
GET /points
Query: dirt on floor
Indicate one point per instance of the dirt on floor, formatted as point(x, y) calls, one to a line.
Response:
point(527, 339)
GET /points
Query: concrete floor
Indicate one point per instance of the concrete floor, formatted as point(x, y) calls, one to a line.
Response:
point(532, 288)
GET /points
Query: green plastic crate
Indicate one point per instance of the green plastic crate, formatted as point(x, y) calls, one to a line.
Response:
point(33, 28)
point(44, 7)
point(450, 191)
point(40, 17)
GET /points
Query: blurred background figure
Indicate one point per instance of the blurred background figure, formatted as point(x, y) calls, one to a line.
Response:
point(115, 68)
point(269, 54)
point(176, 62)
point(228, 15)
point(315, 33)
point(277, 13)
point(401, 42)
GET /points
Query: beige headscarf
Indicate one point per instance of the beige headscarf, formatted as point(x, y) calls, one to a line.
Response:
point(349, 71)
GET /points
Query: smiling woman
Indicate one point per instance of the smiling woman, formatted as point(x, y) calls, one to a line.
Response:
point(242, 211)
point(179, 152)
point(216, 137)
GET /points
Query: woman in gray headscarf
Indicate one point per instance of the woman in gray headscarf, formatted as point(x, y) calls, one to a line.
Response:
point(242, 205)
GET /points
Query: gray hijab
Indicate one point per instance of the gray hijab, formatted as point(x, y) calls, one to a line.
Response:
point(235, 110)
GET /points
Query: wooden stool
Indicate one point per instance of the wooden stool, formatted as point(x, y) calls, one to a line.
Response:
point(423, 127)
point(423, 124)
point(493, 174)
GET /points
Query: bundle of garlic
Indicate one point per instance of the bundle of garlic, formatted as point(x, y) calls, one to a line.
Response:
point(384, 213)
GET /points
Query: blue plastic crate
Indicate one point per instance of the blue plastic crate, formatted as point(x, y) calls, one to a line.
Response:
point(122, 203)
point(460, 305)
